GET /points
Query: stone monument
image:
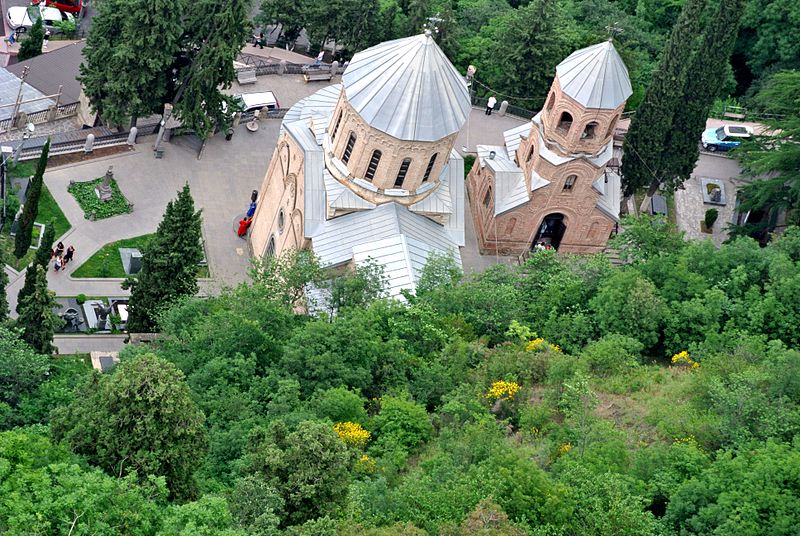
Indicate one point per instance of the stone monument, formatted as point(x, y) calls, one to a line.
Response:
point(104, 191)
point(131, 260)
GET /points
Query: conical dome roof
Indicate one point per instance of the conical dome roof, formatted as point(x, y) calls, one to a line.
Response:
point(595, 76)
point(408, 89)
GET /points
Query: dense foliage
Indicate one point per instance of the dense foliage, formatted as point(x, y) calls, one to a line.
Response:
point(563, 397)
point(142, 54)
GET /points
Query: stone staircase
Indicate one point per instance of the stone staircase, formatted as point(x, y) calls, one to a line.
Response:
point(613, 256)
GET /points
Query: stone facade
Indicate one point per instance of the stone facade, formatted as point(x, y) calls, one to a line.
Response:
point(346, 121)
point(278, 221)
point(569, 146)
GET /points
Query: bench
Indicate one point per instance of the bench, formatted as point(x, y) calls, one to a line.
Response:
point(317, 74)
point(246, 76)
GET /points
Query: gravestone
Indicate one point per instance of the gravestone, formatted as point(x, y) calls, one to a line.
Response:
point(658, 205)
point(131, 260)
point(104, 191)
point(713, 191)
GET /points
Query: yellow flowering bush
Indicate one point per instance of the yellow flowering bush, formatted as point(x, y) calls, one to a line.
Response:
point(352, 433)
point(564, 448)
point(683, 359)
point(502, 389)
point(539, 345)
point(365, 465)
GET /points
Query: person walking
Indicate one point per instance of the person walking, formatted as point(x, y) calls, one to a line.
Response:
point(46, 39)
point(58, 263)
point(68, 255)
point(490, 105)
point(59, 249)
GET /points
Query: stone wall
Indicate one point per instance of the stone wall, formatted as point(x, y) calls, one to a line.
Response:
point(279, 215)
point(393, 150)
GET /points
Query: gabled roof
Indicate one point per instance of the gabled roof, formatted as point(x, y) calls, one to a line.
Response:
point(610, 185)
point(510, 189)
point(595, 76)
point(408, 89)
point(58, 67)
point(10, 89)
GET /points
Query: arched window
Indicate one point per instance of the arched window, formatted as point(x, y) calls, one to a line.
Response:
point(611, 126)
point(428, 170)
point(530, 154)
point(565, 122)
point(551, 101)
point(281, 220)
point(401, 175)
point(570, 182)
point(351, 141)
point(589, 131)
point(487, 199)
point(270, 251)
point(336, 126)
point(373, 165)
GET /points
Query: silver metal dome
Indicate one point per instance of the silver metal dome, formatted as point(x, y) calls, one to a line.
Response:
point(595, 76)
point(408, 89)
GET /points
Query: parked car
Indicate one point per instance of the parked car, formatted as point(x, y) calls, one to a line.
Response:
point(67, 6)
point(250, 102)
point(20, 18)
point(725, 138)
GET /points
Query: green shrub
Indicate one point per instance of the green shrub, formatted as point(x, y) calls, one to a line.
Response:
point(711, 217)
point(81, 299)
point(84, 193)
point(612, 354)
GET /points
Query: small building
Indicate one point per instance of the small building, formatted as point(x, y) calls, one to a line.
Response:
point(366, 169)
point(549, 183)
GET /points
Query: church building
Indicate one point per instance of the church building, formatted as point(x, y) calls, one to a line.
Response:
point(366, 169)
point(549, 184)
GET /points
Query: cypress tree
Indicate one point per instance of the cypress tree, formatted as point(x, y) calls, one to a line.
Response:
point(3, 284)
point(42, 259)
point(22, 240)
point(650, 126)
point(31, 46)
point(703, 84)
point(36, 318)
point(169, 264)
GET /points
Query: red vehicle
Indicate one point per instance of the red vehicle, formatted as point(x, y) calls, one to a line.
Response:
point(67, 6)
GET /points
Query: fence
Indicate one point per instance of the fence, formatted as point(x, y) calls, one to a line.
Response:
point(79, 145)
point(517, 111)
point(264, 67)
point(42, 116)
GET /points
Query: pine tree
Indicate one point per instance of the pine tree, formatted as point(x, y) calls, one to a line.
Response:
point(217, 36)
point(4, 311)
point(645, 139)
point(704, 81)
point(42, 259)
point(129, 56)
point(22, 241)
point(169, 264)
point(31, 46)
point(36, 318)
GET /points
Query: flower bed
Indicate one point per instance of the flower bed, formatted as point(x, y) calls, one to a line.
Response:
point(84, 193)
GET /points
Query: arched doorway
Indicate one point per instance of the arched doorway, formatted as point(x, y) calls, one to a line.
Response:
point(550, 232)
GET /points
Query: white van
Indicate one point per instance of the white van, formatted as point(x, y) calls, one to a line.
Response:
point(250, 102)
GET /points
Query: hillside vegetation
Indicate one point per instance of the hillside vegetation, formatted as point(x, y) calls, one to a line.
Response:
point(565, 396)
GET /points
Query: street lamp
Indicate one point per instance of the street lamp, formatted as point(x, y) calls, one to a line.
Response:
point(6, 152)
point(29, 130)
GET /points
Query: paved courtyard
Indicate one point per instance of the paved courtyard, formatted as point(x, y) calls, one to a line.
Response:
point(221, 183)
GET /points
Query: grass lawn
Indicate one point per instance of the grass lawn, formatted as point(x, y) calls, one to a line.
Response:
point(107, 262)
point(48, 211)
